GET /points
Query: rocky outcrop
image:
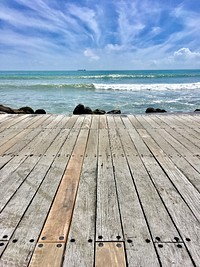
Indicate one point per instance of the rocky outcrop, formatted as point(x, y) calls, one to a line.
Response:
point(155, 110)
point(114, 111)
point(81, 109)
point(40, 111)
point(22, 110)
point(197, 110)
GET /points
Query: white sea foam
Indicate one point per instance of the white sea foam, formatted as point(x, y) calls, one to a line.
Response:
point(147, 87)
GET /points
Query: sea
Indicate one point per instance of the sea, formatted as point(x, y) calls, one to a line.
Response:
point(131, 91)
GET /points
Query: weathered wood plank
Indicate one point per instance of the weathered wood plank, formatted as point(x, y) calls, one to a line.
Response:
point(181, 162)
point(15, 146)
point(136, 124)
point(82, 231)
point(136, 232)
point(3, 245)
point(9, 186)
point(87, 122)
point(48, 255)
point(108, 225)
point(110, 254)
point(159, 222)
point(20, 248)
point(186, 189)
point(102, 122)
point(95, 122)
point(14, 121)
point(58, 222)
point(10, 143)
point(4, 160)
point(183, 218)
point(173, 255)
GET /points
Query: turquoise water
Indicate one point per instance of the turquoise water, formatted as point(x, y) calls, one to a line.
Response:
point(131, 91)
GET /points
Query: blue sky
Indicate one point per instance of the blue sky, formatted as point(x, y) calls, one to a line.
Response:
point(103, 34)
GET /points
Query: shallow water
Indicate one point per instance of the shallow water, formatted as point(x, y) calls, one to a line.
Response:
point(131, 91)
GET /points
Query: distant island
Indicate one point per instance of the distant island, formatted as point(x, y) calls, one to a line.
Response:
point(81, 70)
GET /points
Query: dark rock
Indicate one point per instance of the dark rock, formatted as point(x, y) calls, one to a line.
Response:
point(6, 109)
point(79, 109)
point(197, 110)
point(40, 111)
point(27, 110)
point(87, 110)
point(153, 110)
point(114, 111)
point(99, 111)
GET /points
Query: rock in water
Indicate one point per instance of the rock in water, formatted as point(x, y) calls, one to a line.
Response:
point(87, 110)
point(6, 109)
point(153, 110)
point(79, 109)
point(99, 111)
point(27, 110)
point(114, 111)
point(40, 111)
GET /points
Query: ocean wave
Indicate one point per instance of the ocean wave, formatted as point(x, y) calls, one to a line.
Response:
point(95, 76)
point(101, 86)
point(147, 87)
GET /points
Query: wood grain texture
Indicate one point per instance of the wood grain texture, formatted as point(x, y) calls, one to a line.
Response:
point(174, 255)
point(59, 218)
point(108, 225)
point(110, 254)
point(82, 230)
point(48, 255)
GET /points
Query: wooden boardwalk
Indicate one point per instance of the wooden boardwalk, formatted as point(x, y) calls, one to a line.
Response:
point(101, 191)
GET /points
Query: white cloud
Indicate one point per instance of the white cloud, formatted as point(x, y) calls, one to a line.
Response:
point(186, 54)
point(91, 54)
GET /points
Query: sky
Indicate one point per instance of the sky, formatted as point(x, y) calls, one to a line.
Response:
point(99, 34)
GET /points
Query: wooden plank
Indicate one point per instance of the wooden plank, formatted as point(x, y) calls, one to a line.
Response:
point(181, 150)
point(79, 121)
point(70, 123)
point(108, 225)
point(152, 122)
point(22, 243)
point(48, 255)
point(59, 218)
point(159, 222)
point(185, 141)
point(39, 121)
point(23, 141)
point(119, 123)
point(135, 230)
point(110, 254)
point(14, 121)
point(102, 122)
point(143, 122)
point(183, 218)
point(82, 230)
point(111, 122)
point(136, 124)
point(55, 122)
point(174, 255)
point(4, 160)
point(3, 245)
point(181, 162)
point(95, 122)
point(185, 188)
point(8, 134)
point(87, 122)
point(7, 145)
point(40, 143)
point(9, 185)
